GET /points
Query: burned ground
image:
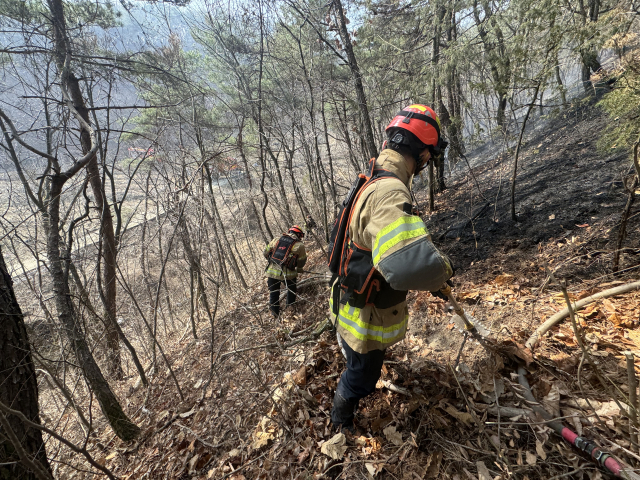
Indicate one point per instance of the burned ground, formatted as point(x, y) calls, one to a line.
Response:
point(565, 188)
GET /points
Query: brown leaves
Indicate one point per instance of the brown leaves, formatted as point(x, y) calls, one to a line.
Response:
point(432, 468)
point(393, 436)
point(300, 377)
point(334, 447)
point(463, 417)
point(504, 279)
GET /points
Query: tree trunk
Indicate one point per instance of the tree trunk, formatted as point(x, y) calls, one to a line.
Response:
point(499, 62)
point(590, 64)
point(240, 144)
point(563, 94)
point(18, 388)
point(334, 194)
point(122, 426)
point(263, 163)
point(514, 217)
point(72, 85)
point(222, 233)
point(357, 78)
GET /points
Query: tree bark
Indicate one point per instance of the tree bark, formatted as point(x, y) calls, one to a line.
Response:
point(122, 426)
point(72, 85)
point(370, 143)
point(18, 388)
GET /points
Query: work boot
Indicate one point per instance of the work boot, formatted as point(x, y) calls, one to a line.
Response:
point(274, 312)
point(342, 413)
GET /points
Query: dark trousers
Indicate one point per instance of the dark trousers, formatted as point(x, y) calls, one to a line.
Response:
point(357, 381)
point(361, 375)
point(274, 293)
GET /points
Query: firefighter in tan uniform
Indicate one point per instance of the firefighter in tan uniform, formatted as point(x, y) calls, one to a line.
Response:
point(287, 257)
point(385, 234)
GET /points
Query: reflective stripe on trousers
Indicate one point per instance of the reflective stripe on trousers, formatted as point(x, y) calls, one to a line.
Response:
point(349, 319)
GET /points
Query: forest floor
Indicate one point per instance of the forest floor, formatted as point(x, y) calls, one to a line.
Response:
point(257, 392)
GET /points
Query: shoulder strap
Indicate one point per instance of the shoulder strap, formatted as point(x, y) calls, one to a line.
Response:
point(377, 175)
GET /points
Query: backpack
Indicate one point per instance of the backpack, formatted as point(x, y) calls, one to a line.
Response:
point(348, 262)
point(281, 254)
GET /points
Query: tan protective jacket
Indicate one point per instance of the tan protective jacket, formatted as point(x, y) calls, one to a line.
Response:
point(402, 252)
point(275, 271)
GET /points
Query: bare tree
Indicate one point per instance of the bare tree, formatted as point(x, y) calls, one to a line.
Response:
point(71, 89)
point(22, 452)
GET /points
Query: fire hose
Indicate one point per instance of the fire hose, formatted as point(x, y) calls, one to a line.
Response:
point(602, 457)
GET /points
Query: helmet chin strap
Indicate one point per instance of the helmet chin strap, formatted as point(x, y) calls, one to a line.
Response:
point(419, 166)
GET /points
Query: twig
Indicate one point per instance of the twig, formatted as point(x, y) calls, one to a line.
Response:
point(244, 466)
point(61, 439)
point(495, 393)
point(578, 334)
point(633, 398)
point(504, 459)
point(622, 232)
point(141, 440)
point(321, 328)
point(204, 442)
point(464, 341)
point(473, 176)
point(585, 354)
point(568, 474)
point(636, 163)
point(33, 465)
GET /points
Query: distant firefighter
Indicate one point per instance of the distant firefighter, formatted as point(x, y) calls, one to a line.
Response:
point(287, 257)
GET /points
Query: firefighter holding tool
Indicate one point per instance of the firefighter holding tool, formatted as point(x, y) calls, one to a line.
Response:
point(378, 251)
point(287, 257)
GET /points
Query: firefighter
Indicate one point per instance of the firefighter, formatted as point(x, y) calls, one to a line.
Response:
point(385, 233)
point(286, 256)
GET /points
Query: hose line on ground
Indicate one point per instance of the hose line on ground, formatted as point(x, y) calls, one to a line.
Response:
point(602, 457)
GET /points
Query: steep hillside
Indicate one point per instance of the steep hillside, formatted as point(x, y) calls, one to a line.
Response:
point(258, 391)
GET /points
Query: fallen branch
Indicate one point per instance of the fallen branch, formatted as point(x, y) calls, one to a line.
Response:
point(579, 305)
point(394, 388)
point(509, 412)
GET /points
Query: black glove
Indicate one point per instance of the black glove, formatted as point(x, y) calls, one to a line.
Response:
point(441, 295)
point(453, 268)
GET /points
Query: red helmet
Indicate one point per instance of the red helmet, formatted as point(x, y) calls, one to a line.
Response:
point(297, 230)
point(420, 120)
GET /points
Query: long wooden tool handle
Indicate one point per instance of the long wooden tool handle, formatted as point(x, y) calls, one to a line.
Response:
point(446, 290)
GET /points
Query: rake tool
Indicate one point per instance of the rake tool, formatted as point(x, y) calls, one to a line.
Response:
point(470, 324)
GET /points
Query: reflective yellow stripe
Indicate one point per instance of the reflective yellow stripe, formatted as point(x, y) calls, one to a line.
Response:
point(349, 319)
point(274, 270)
point(423, 110)
point(404, 228)
point(278, 272)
